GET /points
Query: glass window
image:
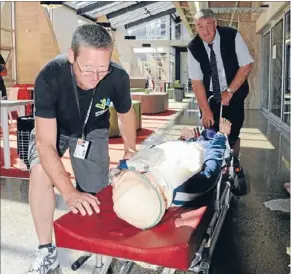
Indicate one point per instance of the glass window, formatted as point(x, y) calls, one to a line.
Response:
point(6, 12)
point(8, 58)
point(5, 54)
point(178, 31)
point(287, 76)
point(266, 70)
point(155, 30)
point(284, 162)
point(277, 66)
point(6, 38)
point(154, 62)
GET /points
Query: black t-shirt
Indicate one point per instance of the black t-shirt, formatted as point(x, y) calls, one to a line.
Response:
point(55, 97)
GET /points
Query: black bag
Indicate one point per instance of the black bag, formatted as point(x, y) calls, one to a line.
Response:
point(25, 124)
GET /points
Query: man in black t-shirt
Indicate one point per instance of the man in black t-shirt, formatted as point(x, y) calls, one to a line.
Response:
point(73, 93)
point(3, 72)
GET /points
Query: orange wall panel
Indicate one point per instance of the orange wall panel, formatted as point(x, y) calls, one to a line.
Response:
point(36, 42)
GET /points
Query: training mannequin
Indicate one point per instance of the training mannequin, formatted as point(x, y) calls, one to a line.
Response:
point(145, 186)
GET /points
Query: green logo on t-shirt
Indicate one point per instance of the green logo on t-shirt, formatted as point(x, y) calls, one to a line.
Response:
point(103, 103)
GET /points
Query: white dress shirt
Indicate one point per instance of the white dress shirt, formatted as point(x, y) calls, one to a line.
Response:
point(242, 53)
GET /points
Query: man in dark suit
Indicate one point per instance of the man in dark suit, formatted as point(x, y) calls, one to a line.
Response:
point(219, 64)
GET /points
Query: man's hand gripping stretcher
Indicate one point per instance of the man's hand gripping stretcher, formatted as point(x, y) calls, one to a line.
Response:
point(169, 174)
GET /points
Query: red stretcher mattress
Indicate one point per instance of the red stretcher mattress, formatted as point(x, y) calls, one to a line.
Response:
point(105, 234)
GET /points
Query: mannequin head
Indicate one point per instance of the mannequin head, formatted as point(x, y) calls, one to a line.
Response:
point(137, 199)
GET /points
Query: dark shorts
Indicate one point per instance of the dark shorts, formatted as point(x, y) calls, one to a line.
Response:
point(91, 173)
point(2, 87)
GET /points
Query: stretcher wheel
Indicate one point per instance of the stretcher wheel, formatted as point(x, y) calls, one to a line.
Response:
point(79, 262)
point(239, 187)
point(204, 268)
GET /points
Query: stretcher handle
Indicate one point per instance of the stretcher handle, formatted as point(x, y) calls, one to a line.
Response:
point(221, 105)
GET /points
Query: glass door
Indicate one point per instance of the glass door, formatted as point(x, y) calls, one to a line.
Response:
point(287, 76)
point(266, 70)
point(277, 66)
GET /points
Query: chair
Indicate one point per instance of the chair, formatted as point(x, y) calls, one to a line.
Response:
point(114, 128)
point(12, 93)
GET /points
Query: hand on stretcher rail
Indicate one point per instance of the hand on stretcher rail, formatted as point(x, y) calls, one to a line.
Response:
point(83, 203)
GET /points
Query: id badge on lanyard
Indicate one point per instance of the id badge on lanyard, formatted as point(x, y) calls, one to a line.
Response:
point(82, 146)
point(82, 149)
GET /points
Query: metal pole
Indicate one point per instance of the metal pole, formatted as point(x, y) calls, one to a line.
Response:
point(232, 15)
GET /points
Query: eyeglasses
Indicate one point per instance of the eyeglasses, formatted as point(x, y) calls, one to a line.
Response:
point(90, 72)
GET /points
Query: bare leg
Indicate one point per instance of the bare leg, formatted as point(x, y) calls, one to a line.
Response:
point(42, 203)
point(224, 126)
point(187, 133)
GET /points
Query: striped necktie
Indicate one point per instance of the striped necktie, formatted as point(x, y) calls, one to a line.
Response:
point(214, 75)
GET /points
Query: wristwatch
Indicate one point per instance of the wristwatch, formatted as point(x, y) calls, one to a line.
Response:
point(230, 91)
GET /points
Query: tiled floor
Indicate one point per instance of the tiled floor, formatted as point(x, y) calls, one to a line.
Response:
point(253, 238)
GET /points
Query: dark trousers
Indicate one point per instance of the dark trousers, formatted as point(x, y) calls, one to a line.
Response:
point(234, 112)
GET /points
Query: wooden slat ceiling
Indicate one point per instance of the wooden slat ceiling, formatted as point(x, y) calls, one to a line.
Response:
point(223, 9)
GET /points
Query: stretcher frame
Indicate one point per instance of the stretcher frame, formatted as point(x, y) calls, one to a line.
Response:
point(202, 257)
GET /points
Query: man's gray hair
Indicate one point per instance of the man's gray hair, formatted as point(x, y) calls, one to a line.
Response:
point(204, 13)
point(91, 35)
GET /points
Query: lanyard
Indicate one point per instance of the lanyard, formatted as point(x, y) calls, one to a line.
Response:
point(78, 104)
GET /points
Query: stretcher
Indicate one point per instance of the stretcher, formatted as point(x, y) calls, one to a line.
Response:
point(184, 240)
